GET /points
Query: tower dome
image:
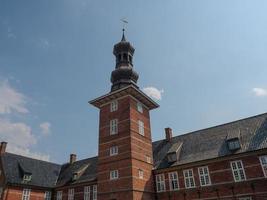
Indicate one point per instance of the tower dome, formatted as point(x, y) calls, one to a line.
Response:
point(123, 75)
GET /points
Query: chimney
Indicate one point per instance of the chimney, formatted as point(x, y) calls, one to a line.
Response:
point(72, 158)
point(3, 147)
point(168, 134)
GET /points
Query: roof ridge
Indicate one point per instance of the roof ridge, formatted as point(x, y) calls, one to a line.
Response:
point(22, 156)
point(81, 160)
point(216, 126)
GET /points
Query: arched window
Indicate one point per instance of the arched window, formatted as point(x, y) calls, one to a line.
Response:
point(125, 57)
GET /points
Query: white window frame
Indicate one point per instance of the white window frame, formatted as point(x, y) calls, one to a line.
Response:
point(114, 174)
point(86, 193)
point(26, 194)
point(204, 176)
point(27, 177)
point(59, 195)
point(113, 106)
point(113, 151)
point(264, 164)
point(71, 194)
point(139, 107)
point(189, 179)
point(148, 159)
point(140, 173)
point(173, 181)
point(113, 126)
point(160, 182)
point(238, 171)
point(47, 195)
point(94, 192)
point(141, 128)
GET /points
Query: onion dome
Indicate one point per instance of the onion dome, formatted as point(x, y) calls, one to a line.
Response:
point(123, 75)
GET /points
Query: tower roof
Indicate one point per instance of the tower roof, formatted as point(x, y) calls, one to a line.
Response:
point(123, 75)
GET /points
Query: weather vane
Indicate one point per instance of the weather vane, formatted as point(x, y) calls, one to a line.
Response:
point(124, 22)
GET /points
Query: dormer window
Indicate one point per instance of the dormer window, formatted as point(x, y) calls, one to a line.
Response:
point(27, 177)
point(233, 144)
point(172, 157)
point(174, 152)
point(74, 176)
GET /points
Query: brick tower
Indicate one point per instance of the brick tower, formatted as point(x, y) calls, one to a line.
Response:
point(125, 158)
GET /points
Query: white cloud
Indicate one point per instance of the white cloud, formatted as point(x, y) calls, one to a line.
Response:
point(11, 100)
point(20, 138)
point(153, 92)
point(259, 92)
point(10, 33)
point(45, 128)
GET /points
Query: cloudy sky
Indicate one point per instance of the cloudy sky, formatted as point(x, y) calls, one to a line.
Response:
point(204, 62)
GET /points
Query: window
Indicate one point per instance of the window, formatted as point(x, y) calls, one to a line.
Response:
point(189, 178)
point(27, 177)
point(263, 160)
point(141, 173)
point(125, 57)
point(148, 159)
point(173, 181)
point(94, 192)
point(59, 195)
point(204, 176)
point(139, 107)
point(113, 106)
point(233, 144)
point(113, 150)
point(71, 194)
point(160, 180)
point(238, 171)
point(26, 194)
point(86, 193)
point(114, 174)
point(172, 157)
point(141, 127)
point(47, 195)
point(113, 126)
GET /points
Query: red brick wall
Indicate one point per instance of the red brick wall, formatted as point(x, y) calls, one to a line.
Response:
point(133, 149)
point(222, 185)
point(15, 193)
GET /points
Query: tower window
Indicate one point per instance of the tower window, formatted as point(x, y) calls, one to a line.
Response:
point(119, 57)
point(139, 107)
point(113, 106)
point(125, 57)
point(141, 127)
point(130, 59)
point(114, 174)
point(141, 173)
point(238, 171)
point(113, 151)
point(189, 178)
point(113, 126)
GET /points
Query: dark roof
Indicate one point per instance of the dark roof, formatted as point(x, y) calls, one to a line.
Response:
point(44, 174)
point(211, 142)
point(84, 169)
point(195, 146)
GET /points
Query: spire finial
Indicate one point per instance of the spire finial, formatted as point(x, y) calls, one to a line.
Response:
point(124, 21)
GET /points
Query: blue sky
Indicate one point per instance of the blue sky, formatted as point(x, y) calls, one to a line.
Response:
point(204, 62)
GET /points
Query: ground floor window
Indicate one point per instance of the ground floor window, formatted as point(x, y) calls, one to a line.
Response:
point(26, 194)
